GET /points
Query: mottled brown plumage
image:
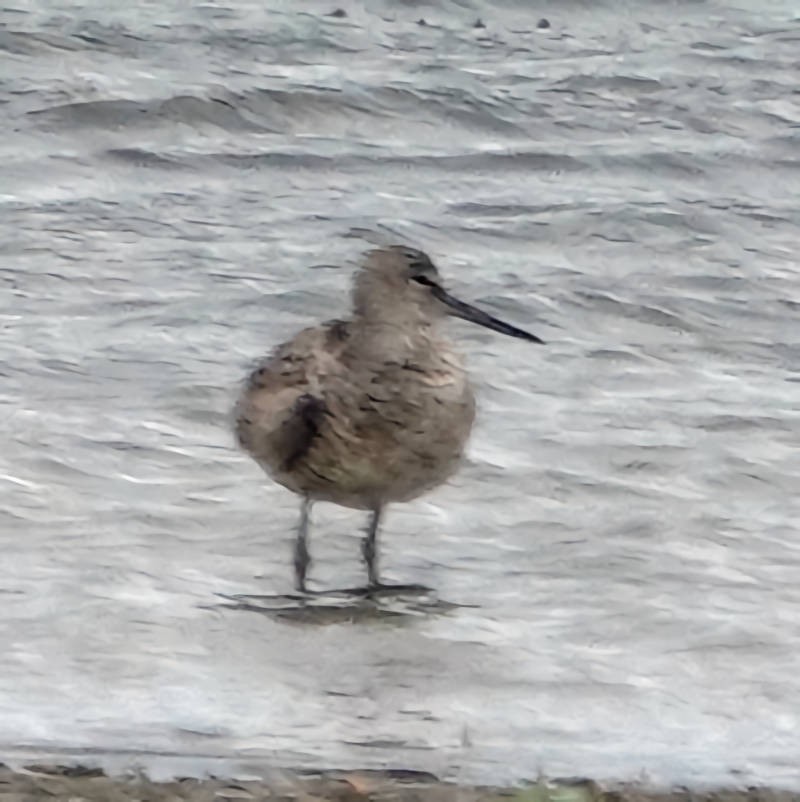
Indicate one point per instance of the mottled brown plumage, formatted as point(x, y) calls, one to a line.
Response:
point(367, 411)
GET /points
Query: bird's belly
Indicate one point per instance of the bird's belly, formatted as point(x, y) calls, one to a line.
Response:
point(394, 451)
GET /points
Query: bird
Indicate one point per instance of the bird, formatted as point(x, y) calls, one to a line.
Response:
point(366, 411)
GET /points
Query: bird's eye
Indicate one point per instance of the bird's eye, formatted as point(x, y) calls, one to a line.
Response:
point(424, 280)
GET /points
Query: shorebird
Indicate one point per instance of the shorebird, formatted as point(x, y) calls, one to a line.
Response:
point(366, 411)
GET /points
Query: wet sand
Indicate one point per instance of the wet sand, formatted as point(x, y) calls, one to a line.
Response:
point(75, 784)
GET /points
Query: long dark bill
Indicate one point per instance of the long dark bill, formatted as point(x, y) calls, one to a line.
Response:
point(475, 315)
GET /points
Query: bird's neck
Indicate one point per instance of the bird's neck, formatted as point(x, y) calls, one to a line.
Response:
point(397, 340)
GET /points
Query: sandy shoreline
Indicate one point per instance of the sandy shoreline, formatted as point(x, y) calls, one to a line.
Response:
point(75, 784)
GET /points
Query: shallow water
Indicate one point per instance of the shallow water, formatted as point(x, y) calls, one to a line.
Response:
point(624, 536)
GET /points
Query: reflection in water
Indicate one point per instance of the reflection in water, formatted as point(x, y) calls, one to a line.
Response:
point(346, 606)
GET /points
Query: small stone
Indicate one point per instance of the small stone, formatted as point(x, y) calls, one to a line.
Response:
point(339, 13)
point(543, 23)
point(421, 21)
point(232, 792)
point(479, 23)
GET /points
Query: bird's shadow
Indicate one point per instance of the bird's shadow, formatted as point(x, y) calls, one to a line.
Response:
point(385, 603)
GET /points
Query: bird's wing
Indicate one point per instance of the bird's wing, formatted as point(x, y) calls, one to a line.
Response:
point(281, 406)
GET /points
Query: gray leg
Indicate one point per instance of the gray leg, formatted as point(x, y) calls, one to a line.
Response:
point(369, 548)
point(302, 558)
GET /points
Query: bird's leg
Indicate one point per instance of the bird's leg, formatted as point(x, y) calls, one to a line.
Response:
point(302, 558)
point(369, 548)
